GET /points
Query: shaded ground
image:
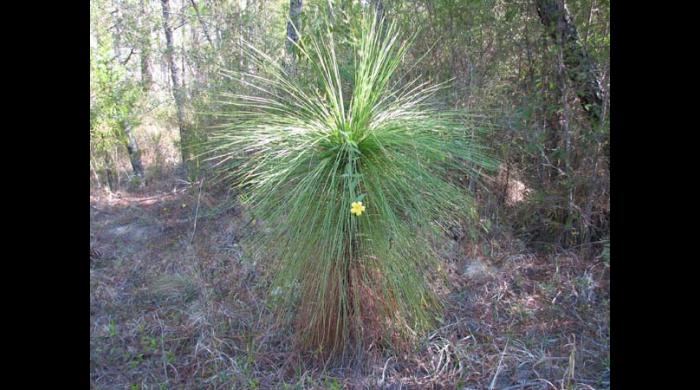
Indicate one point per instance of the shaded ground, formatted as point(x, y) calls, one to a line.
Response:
point(170, 309)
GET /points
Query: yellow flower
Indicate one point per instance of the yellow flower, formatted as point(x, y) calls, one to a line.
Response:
point(357, 208)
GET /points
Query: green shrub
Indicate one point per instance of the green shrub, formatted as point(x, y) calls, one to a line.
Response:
point(114, 106)
point(301, 156)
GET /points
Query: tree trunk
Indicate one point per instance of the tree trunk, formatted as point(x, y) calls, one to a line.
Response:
point(201, 22)
point(177, 90)
point(294, 21)
point(331, 12)
point(110, 172)
point(566, 135)
point(117, 32)
point(378, 8)
point(94, 171)
point(241, 62)
point(133, 148)
point(146, 77)
point(132, 145)
point(293, 31)
point(183, 52)
point(580, 67)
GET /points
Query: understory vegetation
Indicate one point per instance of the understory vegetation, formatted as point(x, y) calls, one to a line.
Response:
point(349, 194)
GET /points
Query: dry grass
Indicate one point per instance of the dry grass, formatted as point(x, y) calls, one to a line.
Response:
point(173, 310)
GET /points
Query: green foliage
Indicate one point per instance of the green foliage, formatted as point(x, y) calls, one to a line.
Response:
point(605, 254)
point(114, 101)
point(302, 153)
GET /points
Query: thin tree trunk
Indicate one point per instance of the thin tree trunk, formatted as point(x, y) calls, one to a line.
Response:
point(250, 30)
point(580, 67)
point(177, 90)
point(566, 135)
point(378, 8)
point(134, 153)
point(293, 31)
point(241, 63)
point(294, 21)
point(182, 50)
point(196, 74)
point(132, 146)
point(109, 172)
point(146, 77)
point(331, 11)
point(117, 33)
point(201, 22)
point(94, 171)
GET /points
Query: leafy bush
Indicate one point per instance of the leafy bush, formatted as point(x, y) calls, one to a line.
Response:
point(114, 106)
point(304, 157)
point(113, 98)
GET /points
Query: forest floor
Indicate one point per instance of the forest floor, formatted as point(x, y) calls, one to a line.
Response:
point(174, 305)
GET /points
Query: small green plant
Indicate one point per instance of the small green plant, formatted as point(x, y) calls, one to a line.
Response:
point(351, 177)
point(138, 359)
point(150, 342)
point(253, 383)
point(112, 327)
point(170, 357)
point(605, 255)
point(333, 384)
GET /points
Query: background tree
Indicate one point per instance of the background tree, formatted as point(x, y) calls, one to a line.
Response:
point(535, 72)
point(579, 66)
point(293, 31)
point(178, 91)
point(115, 104)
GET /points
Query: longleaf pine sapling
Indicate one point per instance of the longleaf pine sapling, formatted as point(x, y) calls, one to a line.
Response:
point(349, 179)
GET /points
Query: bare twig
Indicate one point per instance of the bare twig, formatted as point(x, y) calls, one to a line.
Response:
point(201, 21)
point(128, 57)
point(199, 195)
point(381, 382)
point(162, 349)
point(498, 370)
